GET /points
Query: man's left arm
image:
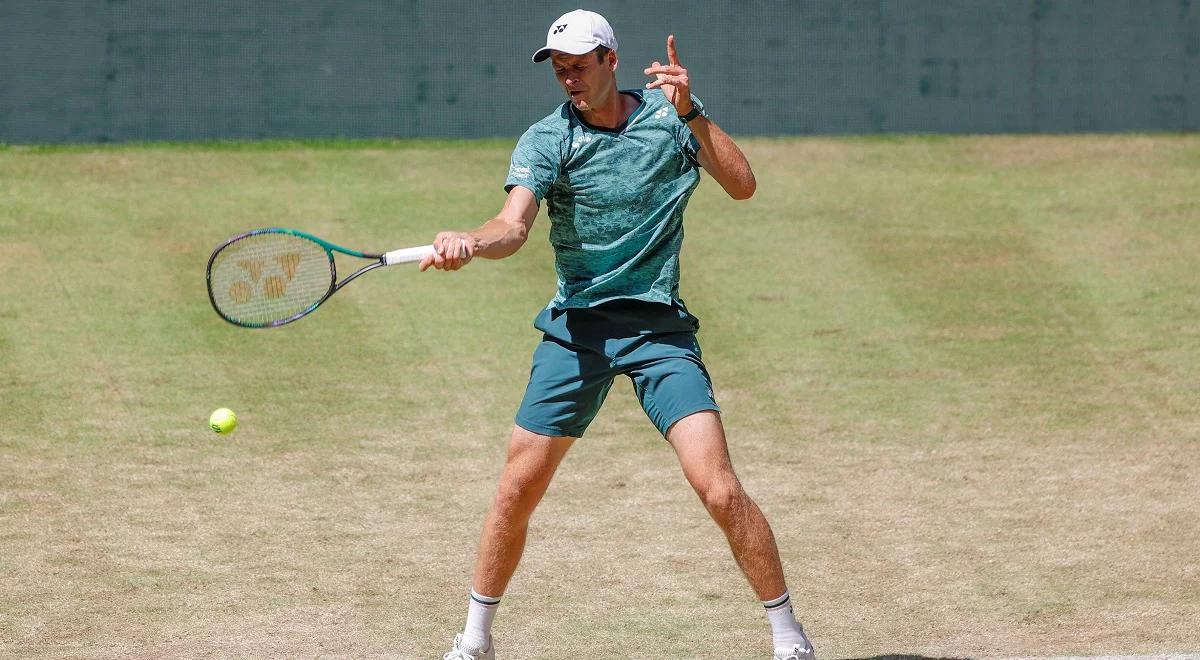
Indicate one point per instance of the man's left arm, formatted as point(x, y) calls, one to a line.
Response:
point(718, 153)
point(721, 158)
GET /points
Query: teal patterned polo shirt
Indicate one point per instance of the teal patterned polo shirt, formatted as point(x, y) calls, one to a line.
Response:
point(615, 199)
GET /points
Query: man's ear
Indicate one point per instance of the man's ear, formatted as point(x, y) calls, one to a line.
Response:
point(612, 61)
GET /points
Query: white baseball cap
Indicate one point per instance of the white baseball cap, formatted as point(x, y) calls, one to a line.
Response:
point(577, 32)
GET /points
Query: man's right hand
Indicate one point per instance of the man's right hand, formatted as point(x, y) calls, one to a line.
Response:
point(451, 250)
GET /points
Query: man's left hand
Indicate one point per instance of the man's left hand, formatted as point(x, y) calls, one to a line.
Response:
point(672, 78)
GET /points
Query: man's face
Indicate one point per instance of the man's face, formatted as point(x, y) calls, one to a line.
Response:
point(589, 81)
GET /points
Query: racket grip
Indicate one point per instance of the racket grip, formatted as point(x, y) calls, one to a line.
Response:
point(407, 255)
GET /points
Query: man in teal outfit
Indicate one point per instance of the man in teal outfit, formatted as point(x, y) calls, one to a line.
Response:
point(616, 169)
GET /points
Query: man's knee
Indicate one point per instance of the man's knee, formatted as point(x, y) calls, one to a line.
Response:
point(723, 498)
point(518, 493)
point(531, 464)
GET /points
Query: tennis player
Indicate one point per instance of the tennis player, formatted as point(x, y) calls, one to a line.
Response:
point(616, 169)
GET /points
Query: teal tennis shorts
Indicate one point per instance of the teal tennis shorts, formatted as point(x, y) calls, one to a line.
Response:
point(583, 350)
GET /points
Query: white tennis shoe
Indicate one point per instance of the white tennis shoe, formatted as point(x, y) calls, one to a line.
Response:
point(796, 652)
point(460, 652)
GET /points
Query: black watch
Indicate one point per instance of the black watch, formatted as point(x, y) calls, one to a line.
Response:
point(691, 115)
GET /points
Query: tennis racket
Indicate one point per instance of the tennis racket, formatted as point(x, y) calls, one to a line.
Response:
point(269, 277)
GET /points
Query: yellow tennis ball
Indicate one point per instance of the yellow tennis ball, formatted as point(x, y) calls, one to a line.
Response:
point(223, 421)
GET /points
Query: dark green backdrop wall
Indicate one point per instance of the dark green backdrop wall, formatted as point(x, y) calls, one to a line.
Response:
point(100, 70)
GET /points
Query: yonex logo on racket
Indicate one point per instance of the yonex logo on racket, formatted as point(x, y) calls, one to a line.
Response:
point(273, 286)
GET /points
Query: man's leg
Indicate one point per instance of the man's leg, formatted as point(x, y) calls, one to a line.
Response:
point(532, 460)
point(699, 442)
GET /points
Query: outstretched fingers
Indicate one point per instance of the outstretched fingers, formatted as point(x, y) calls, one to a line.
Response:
point(675, 81)
point(668, 69)
point(666, 74)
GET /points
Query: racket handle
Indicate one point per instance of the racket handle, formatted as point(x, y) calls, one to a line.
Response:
point(407, 255)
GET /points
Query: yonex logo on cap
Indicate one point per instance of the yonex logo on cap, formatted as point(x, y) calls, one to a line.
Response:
point(560, 28)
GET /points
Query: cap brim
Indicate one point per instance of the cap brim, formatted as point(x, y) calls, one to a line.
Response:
point(541, 54)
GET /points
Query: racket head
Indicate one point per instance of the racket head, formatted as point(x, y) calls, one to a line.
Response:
point(269, 277)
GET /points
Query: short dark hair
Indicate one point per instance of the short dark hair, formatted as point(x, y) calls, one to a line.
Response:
point(601, 52)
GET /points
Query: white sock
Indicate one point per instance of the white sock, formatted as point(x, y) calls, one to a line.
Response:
point(478, 633)
point(785, 630)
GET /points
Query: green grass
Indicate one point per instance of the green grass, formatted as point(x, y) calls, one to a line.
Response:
point(958, 375)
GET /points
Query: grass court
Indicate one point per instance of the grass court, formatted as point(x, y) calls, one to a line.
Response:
point(959, 375)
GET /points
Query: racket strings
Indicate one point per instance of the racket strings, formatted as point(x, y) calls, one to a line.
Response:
point(262, 279)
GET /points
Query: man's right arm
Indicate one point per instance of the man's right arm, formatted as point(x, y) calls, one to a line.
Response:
point(499, 237)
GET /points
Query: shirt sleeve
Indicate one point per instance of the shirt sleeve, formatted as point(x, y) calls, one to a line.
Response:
point(688, 143)
point(535, 161)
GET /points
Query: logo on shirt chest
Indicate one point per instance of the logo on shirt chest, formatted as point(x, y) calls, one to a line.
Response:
point(581, 140)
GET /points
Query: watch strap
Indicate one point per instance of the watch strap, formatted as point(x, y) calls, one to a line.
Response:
point(691, 115)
